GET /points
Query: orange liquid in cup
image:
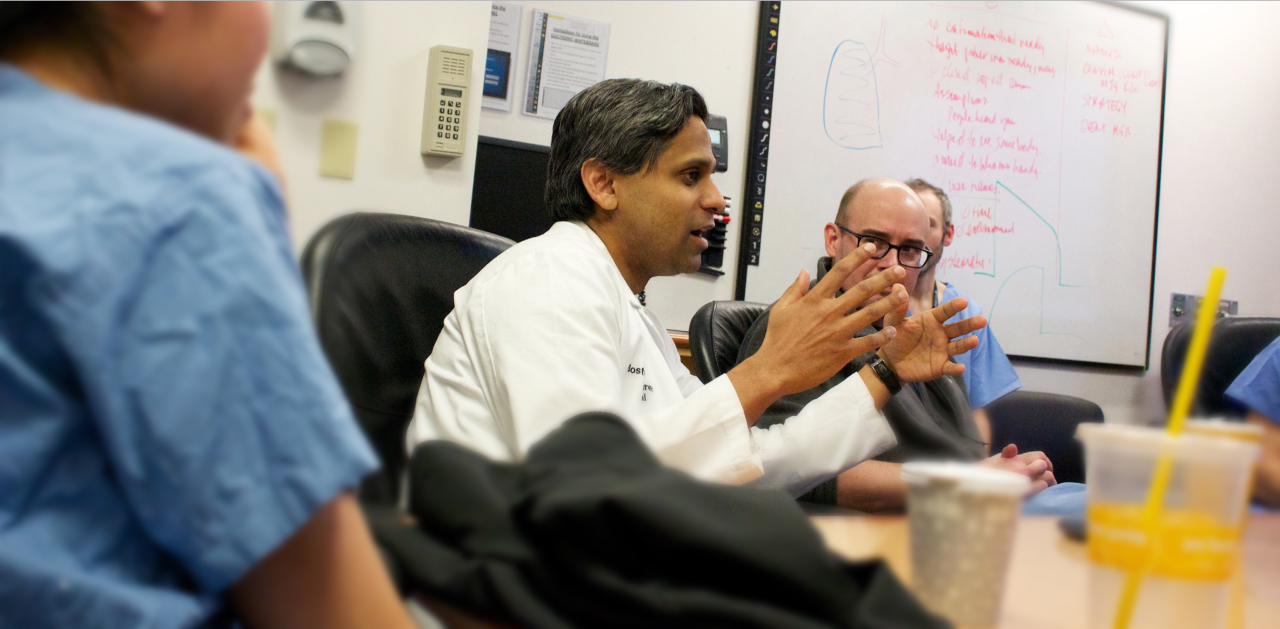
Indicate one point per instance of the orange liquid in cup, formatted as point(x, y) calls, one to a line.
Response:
point(1189, 545)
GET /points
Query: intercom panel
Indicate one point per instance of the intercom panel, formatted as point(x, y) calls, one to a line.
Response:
point(444, 115)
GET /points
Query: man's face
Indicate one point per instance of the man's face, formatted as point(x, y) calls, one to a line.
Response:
point(887, 210)
point(665, 209)
point(198, 65)
point(939, 234)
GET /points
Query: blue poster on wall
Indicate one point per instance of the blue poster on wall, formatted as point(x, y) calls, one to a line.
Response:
point(497, 71)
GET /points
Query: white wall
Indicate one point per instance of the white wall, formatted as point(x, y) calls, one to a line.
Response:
point(1221, 144)
point(708, 45)
point(1221, 155)
point(383, 93)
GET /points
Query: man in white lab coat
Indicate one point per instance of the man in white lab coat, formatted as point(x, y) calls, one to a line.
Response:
point(553, 327)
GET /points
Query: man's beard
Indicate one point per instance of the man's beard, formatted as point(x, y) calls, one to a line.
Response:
point(933, 261)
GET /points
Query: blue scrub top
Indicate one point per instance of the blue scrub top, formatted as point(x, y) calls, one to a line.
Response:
point(1258, 386)
point(988, 375)
point(167, 417)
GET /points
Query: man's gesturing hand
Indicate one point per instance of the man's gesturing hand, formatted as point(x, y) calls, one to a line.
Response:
point(922, 348)
point(811, 333)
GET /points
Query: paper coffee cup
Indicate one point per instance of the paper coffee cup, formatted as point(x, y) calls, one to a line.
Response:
point(962, 519)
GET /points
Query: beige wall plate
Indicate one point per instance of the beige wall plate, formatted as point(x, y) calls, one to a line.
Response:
point(338, 149)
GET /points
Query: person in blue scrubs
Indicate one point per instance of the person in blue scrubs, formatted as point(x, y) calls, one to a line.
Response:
point(988, 374)
point(174, 449)
point(1258, 389)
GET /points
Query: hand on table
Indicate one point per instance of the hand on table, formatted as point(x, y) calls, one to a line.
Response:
point(1033, 465)
point(922, 347)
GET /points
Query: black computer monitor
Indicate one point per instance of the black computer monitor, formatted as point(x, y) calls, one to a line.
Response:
point(506, 198)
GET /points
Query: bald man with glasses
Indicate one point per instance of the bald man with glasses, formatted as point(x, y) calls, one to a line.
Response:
point(931, 420)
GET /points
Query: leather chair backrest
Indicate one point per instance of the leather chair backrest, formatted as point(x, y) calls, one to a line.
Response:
point(380, 287)
point(1045, 422)
point(716, 332)
point(1236, 341)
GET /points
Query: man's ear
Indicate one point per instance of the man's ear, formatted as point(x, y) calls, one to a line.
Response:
point(599, 182)
point(948, 235)
point(830, 237)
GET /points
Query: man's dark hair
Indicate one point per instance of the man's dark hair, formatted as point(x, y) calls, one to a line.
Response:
point(77, 26)
point(920, 185)
point(624, 124)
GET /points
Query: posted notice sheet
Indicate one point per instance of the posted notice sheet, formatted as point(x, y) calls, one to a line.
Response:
point(500, 63)
point(566, 56)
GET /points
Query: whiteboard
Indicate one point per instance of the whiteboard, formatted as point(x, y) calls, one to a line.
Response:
point(1043, 123)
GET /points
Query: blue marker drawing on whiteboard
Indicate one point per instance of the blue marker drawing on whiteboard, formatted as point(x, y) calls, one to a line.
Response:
point(851, 102)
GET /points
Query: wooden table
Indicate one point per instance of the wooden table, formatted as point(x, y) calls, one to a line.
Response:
point(1047, 585)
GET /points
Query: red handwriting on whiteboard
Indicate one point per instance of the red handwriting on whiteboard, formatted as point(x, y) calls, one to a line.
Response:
point(987, 228)
point(955, 72)
point(986, 163)
point(975, 53)
point(1093, 126)
point(1018, 144)
point(949, 138)
point(1090, 68)
point(1033, 68)
point(1109, 53)
point(981, 33)
point(1033, 44)
point(1105, 104)
point(970, 262)
point(965, 99)
point(954, 161)
point(947, 48)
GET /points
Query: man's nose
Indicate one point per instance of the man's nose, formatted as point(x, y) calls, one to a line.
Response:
point(889, 260)
point(714, 201)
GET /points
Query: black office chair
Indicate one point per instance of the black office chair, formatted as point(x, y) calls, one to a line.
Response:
point(380, 287)
point(715, 334)
point(1235, 342)
point(1045, 422)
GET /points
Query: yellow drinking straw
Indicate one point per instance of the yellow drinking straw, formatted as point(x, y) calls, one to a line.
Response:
point(1177, 418)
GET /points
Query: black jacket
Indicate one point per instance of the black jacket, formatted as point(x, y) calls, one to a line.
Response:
point(591, 531)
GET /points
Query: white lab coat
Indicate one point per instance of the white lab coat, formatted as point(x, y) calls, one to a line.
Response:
point(550, 329)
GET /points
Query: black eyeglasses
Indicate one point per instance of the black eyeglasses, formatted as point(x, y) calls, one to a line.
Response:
point(908, 256)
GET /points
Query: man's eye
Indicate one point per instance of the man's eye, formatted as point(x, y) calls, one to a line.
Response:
point(692, 176)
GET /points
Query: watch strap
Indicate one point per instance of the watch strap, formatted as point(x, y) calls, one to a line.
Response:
point(885, 373)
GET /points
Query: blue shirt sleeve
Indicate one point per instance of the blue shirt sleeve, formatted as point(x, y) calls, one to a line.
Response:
point(1258, 386)
point(988, 374)
point(220, 416)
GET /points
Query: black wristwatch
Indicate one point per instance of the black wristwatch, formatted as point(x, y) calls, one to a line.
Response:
point(885, 373)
